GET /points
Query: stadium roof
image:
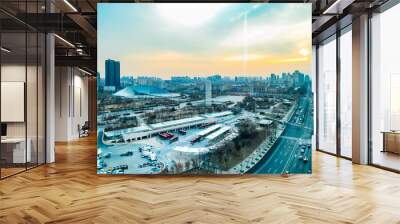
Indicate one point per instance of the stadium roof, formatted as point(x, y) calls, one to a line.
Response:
point(127, 130)
point(219, 114)
point(191, 149)
point(175, 122)
point(209, 130)
point(265, 122)
point(218, 133)
point(147, 91)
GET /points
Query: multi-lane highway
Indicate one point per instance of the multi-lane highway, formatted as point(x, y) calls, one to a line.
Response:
point(288, 153)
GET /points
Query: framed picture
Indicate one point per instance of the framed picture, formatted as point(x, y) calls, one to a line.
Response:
point(204, 88)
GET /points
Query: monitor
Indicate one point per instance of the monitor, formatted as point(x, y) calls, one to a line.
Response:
point(3, 130)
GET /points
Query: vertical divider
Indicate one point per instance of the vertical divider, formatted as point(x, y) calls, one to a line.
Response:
point(338, 80)
point(317, 97)
point(26, 86)
point(1, 164)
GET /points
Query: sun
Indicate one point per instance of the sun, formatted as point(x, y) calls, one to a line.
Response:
point(304, 52)
point(188, 15)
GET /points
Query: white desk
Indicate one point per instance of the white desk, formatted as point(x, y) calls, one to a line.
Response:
point(18, 149)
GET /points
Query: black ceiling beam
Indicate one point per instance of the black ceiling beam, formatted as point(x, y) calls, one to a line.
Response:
point(332, 29)
point(78, 61)
point(86, 51)
point(224, 1)
point(10, 25)
point(49, 22)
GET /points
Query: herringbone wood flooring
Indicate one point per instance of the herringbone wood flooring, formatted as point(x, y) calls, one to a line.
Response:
point(69, 191)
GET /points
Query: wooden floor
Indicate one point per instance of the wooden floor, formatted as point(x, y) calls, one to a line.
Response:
point(69, 191)
point(5, 172)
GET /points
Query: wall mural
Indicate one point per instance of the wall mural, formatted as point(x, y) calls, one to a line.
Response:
point(205, 88)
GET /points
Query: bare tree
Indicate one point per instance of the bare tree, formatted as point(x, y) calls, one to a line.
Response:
point(187, 165)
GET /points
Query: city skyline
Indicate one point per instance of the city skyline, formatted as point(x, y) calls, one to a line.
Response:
point(229, 39)
point(206, 76)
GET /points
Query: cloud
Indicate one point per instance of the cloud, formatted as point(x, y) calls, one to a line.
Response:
point(243, 57)
point(286, 60)
point(188, 15)
point(168, 40)
point(256, 34)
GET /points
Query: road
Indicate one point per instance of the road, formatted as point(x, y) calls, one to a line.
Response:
point(284, 155)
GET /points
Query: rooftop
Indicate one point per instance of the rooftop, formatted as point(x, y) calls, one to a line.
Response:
point(219, 114)
point(265, 122)
point(209, 130)
point(127, 130)
point(144, 91)
point(175, 122)
point(218, 133)
point(191, 149)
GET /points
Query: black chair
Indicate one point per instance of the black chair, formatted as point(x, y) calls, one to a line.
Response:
point(84, 130)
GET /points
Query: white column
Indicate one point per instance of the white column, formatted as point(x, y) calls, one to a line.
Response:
point(50, 98)
point(360, 90)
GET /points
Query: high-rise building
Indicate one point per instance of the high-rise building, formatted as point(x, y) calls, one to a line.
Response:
point(109, 73)
point(214, 78)
point(181, 79)
point(98, 78)
point(208, 89)
point(251, 89)
point(117, 74)
point(298, 78)
point(113, 73)
point(284, 77)
point(273, 78)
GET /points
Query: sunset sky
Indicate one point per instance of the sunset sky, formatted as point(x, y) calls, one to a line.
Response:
point(203, 39)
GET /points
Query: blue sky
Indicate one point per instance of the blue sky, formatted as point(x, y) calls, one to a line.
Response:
point(204, 38)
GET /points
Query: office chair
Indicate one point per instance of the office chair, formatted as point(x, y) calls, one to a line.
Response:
point(84, 130)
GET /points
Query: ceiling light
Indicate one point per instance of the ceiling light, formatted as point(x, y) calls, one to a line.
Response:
point(5, 50)
point(84, 71)
point(64, 40)
point(70, 5)
point(326, 11)
point(337, 7)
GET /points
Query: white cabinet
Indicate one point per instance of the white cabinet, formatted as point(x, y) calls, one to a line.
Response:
point(17, 145)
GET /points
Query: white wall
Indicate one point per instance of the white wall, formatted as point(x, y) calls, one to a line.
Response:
point(71, 102)
point(14, 73)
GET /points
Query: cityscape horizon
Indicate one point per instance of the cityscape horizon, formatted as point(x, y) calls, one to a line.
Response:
point(204, 76)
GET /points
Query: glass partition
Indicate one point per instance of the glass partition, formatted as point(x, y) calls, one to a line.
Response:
point(385, 89)
point(346, 93)
point(31, 97)
point(41, 96)
point(13, 94)
point(22, 77)
point(327, 96)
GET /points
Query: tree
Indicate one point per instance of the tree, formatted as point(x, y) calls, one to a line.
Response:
point(195, 163)
point(166, 170)
point(178, 167)
point(247, 129)
point(187, 165)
